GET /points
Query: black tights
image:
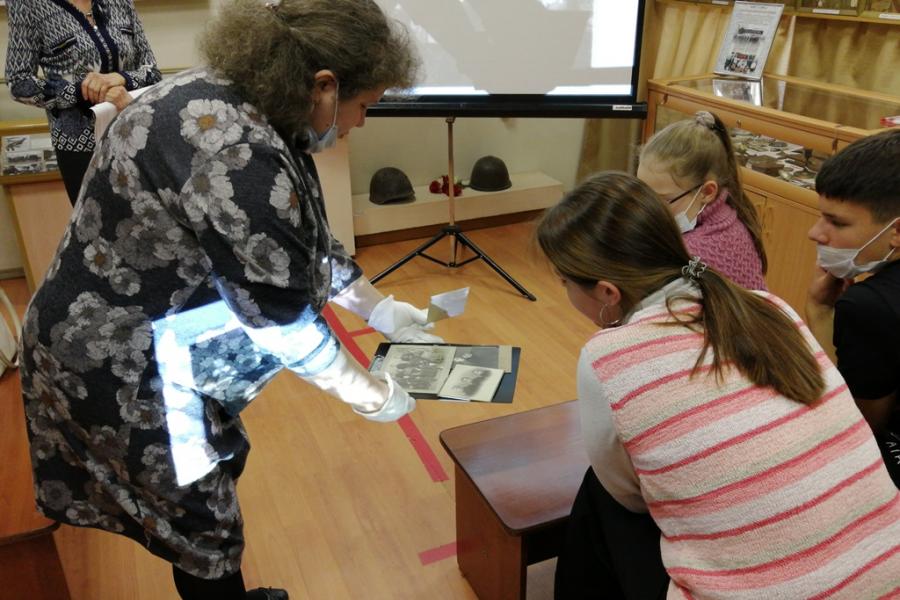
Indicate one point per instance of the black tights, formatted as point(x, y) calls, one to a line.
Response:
point(72, 167)
point(195, 588)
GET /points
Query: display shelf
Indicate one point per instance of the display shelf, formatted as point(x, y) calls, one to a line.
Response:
point(866, 16)
point(530, 191)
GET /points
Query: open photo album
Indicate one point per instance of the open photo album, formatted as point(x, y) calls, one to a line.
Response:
point(450, 372)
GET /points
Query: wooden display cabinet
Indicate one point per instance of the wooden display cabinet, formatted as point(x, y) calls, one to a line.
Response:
point(782, 128)
point(832, 7)
point(37, 197)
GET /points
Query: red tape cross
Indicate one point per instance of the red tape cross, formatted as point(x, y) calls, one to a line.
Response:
point(435, 554)
point(415, 437)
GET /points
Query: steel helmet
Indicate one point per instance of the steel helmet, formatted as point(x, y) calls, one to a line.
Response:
point(390, 184)
point(489, 175)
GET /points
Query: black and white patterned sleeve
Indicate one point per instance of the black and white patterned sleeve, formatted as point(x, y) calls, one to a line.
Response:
point(22, 60)
point(344, 269)
point(143, 71)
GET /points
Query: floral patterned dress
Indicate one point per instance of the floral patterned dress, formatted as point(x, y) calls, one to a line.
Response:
point(195, 268)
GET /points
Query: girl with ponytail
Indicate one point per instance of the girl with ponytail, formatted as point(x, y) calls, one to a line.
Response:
point(691, 165)
point(713, 409)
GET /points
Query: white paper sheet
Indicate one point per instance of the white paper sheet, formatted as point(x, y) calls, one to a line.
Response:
point(448, 304)
point(105, 112)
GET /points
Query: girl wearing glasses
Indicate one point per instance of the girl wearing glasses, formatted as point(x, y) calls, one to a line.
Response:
point(690, 165)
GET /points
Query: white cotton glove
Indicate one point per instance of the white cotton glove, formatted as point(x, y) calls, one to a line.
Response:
point(373, 398)
point(398, 403)
point(402, 322)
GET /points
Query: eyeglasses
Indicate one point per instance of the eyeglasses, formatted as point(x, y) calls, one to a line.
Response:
point(683, 194)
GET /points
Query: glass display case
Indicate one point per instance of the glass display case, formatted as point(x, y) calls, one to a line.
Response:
point(831, 7)
point(883, 9)
point(782, 129)
point(788, 4)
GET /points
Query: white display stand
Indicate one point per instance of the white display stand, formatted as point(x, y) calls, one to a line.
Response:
point(530, 191)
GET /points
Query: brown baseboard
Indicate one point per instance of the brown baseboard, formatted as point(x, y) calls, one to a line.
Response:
point(12, 273)
point(414, 233)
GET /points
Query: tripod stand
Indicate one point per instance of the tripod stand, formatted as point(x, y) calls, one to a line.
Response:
point(453, 231)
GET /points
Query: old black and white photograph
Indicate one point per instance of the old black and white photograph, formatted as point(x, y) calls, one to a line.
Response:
point(419, 369)
point(472, 383)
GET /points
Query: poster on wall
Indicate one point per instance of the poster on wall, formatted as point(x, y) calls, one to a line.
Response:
point(748, 39)
point(27, 154)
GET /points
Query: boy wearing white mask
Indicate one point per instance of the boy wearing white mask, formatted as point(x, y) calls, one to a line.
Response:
point(858, 323)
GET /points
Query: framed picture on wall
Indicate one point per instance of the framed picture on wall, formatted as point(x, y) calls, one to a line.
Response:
point(26, 153)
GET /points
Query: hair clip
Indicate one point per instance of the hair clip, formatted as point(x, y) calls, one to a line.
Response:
point(694, 269)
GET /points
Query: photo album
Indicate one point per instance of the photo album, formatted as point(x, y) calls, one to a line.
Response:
point(450, 372)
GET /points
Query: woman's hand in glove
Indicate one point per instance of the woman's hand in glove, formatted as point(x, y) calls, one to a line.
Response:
point(402, 322)
point(398, 403)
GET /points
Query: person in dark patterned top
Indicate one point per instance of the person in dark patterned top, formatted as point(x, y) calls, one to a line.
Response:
point(196, 266)
point(88, 51)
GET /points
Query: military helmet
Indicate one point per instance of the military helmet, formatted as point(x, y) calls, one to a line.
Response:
point(489, 175)
point(390, 184)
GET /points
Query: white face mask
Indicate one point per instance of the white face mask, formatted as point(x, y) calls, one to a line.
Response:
point(685, 224)
point(330, 137)
point(841, 262)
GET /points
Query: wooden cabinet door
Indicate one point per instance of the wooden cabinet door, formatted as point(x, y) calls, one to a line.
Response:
point(41, 213)
point(792, 255)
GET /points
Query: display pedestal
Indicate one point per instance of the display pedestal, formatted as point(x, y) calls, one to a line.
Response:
point(530, 191)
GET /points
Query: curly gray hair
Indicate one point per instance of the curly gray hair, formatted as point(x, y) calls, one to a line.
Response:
point(272, 52)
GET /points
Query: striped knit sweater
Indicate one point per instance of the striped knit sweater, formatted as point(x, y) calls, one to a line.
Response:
point(757, 496)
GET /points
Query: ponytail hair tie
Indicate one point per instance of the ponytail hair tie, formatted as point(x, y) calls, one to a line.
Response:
point(694, 269)
point(708, 120)
point(705, 118)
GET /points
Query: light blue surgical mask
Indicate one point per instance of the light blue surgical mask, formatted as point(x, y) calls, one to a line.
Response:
point(330, 137)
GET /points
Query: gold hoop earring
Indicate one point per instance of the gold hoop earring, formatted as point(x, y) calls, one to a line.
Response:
point(611, 323)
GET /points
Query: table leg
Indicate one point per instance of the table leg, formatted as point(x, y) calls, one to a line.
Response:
point(492, 560)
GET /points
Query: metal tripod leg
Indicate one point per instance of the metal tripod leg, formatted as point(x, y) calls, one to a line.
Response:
point(417, 252)
point(461, 237)
point(455, 232)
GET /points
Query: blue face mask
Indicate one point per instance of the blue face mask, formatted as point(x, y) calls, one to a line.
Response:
point(330, 137)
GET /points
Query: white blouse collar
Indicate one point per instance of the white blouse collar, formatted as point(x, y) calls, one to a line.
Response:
point(678, 287)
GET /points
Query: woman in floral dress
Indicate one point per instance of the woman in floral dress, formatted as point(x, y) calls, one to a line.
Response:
point(194, 269)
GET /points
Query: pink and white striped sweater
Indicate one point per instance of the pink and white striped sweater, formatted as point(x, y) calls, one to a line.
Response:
point(757, 496)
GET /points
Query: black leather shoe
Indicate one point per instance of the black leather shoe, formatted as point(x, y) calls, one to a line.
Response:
point(267, 594)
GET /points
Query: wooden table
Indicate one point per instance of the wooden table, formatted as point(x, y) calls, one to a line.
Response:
point(516, 479)
point(29, 564)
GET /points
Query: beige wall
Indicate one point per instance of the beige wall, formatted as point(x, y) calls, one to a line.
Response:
point(418, 146)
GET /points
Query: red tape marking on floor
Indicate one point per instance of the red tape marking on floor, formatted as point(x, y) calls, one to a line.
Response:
point(415, 437)
point(435, 554)
point(364, 331)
